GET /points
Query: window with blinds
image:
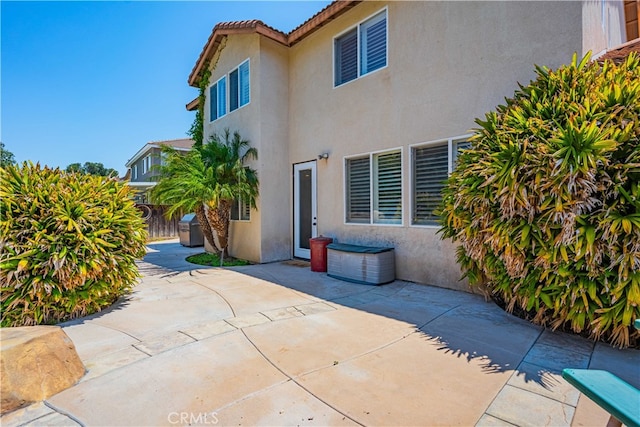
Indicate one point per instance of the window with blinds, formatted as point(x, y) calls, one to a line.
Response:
point(373, 36)
point(346, 52)
point(217, 99)
point(459, 145)
point(222, 97)
point(387, 188)
point(431, 166)
point(358, 190)
point(239, 86)
point(239, 92)
point(213, 102)
point(430, 170)
point(374, 189)
point(361, 50)
point(233, 90)
point(244, 91)
point(240, 211)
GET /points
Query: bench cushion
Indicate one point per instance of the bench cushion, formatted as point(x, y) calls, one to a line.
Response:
point(357, 249)
point(617, 397)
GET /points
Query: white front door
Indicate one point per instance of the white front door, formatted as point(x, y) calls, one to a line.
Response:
point(305, 215)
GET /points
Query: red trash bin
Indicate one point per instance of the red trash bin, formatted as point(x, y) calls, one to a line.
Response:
point(318, 247)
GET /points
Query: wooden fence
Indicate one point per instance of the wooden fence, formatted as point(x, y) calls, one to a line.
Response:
point(158, 225)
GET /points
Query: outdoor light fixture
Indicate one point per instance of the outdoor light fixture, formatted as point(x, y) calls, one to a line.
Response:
point(324, 156)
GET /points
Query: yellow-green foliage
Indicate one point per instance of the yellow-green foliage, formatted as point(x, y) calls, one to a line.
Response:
point(546, 203)
point(68, 244)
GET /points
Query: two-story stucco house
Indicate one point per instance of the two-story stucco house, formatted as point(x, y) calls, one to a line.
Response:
point(140, 167)
point(357, 114)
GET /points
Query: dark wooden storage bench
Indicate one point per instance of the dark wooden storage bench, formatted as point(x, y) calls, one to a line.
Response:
point(367, 265)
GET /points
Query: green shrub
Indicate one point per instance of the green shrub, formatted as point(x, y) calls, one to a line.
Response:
point(545, 205)
point(68, 244)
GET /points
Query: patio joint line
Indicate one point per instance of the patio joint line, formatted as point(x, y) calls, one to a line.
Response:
point(29, 422)
point(298, 383)
point(514, 373)
point(118, 330)
point(62, 412)
point(252, 394)
point(220, 295)
point(439, 316)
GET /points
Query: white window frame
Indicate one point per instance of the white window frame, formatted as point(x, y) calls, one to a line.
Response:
point(145, 164)
point(384, 10)
point(248, 62)
point(227, 92)
point(240, 204)
point(226, 99)
point(134, 171)
point(371, 156)
point(452, 155)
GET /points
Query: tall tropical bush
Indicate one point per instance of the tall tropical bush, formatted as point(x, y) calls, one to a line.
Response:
point(68, 244)
point(545, 205)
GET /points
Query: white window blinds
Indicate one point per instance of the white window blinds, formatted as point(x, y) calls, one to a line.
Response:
point(358, 190)
point(244, 83)
point(346, 48)
point(431, 169)
point(373, 37)
point(361, 50)
point(387, 188)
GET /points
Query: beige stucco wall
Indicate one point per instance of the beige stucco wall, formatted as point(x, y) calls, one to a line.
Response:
point(264, 122)
point(448, 63)
point(275, 169)
point(603, 25)
point(236, 50)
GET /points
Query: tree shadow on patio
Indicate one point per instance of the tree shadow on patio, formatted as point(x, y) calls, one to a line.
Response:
point(456, 323)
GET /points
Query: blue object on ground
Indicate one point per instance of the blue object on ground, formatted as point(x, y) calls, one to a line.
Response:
point(620, 399)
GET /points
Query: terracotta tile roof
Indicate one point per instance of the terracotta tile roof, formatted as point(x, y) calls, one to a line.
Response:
point(619, 53)
point(223, 29)
point(320, 19)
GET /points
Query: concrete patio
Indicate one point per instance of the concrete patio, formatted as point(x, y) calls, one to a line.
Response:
point(277, 344)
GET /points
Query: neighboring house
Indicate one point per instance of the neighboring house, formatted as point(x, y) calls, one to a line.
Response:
point(140, 169)
point(357, 114)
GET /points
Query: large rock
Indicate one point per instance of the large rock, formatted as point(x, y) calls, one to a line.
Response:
point(35, 362)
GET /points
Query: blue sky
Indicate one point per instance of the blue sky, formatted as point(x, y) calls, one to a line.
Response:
point(94, 81)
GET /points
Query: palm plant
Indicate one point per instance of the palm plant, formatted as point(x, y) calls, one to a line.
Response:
point(207, 181)
point(186, 184)
point(233, 180)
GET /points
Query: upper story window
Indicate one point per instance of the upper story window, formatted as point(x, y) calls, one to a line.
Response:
point(230, 92)
point(431, 164)
point(239, 86)
point(146, 164)
point(361, 50)
point(217, 99)
point(374, 188)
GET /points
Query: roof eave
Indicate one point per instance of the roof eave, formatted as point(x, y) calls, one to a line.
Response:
point(320, 19)
point(220, 32)
point(224, 29)
point(193, 104)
